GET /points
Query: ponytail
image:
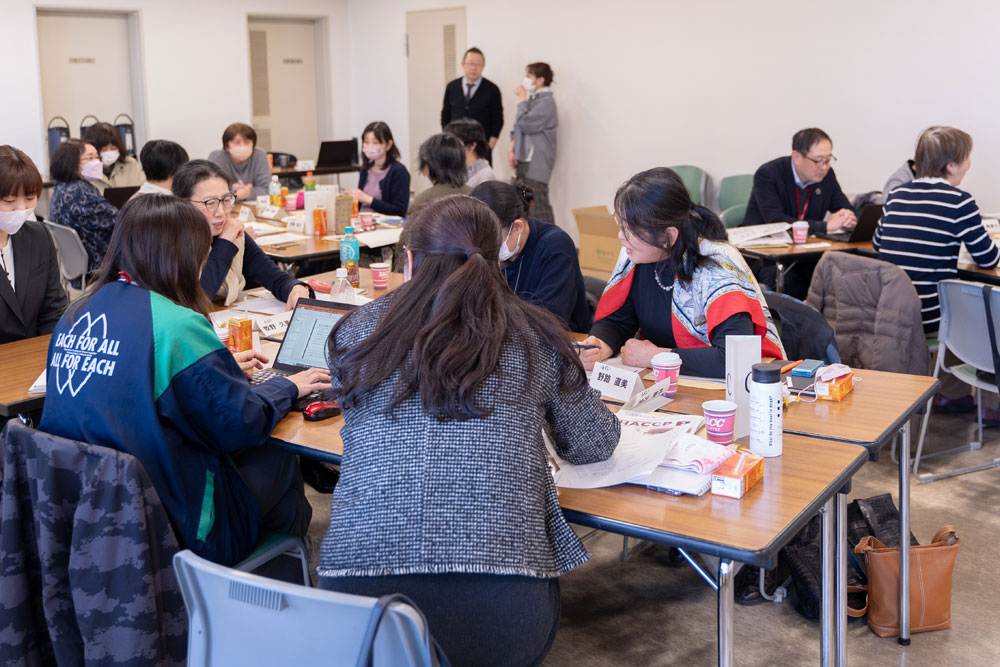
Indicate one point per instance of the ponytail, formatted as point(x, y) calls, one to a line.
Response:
point(455, 316)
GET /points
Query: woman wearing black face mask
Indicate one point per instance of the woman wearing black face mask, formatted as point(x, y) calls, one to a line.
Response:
point(539, 260)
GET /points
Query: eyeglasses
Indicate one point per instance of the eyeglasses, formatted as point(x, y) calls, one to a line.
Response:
point(821, 161)
point(622, 228)
point(212, 203)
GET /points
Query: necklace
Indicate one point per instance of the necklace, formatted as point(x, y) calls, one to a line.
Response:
point(656, 274)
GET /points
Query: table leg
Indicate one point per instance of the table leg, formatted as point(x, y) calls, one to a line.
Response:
point(904, 534)
point(828, 595)
point(840, 510)
point(779, 277)
point(725, 611)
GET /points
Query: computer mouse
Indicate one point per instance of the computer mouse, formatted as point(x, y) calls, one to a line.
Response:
point(320, 410)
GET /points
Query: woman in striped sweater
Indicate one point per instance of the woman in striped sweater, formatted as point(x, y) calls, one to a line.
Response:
point(924, 224)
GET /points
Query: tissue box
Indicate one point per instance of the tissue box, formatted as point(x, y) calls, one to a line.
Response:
point(835, 389)
point(240, 334)
point(737, 475)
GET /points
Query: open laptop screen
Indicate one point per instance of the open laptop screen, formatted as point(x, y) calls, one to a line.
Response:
point(305, 342)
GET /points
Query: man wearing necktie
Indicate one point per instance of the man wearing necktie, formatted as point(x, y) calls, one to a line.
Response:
point(473, 96)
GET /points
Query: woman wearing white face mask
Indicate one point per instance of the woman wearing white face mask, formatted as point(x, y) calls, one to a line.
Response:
point(31, 297)
point(384, 183)
point(119, 169)
point(539, 260)
point(76, 202)
point(532, 151)
point(247, 165)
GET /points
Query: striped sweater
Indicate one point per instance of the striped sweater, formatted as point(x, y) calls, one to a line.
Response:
point(924, 224)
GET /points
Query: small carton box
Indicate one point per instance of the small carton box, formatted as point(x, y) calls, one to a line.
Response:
point(240, 334)
point(342, 208)
point(599, 245)
point(737, 475)
point(835, 389)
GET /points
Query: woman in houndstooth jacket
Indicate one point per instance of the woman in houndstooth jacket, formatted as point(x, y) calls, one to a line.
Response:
point(445, 493)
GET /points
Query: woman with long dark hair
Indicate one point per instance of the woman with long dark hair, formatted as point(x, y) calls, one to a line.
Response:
point(135, 365)
point(384, 183)
point(677, 281)
point(445, 495)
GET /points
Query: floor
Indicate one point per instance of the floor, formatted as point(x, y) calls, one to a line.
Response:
point(650, 611)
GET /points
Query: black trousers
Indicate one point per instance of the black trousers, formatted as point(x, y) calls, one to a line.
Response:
point(275, 481)
point(478, 619)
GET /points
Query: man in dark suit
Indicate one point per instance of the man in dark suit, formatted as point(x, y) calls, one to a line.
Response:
point(802, 187)
point(473, 96)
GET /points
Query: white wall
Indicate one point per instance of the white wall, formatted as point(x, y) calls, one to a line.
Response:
point(196, 61)
point(722, 85)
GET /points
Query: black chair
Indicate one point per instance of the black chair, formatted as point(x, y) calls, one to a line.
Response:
point(594, 287)
point(805, 333)
point(118, 196)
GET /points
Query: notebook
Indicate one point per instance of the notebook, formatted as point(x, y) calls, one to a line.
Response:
point(863, 231)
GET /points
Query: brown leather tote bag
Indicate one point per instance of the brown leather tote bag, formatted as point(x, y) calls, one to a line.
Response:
point(931, 567)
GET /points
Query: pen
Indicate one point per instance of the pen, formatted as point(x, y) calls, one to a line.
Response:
point(587, 347)
point(785, 369)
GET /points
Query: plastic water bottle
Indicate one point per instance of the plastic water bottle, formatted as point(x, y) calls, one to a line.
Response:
point(309, 182)
point(766, 408)
point(274, 189)
point(349, 250)
point(342, 292)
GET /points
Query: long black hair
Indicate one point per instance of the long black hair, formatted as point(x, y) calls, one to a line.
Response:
point(653, 201)
point(455, 315)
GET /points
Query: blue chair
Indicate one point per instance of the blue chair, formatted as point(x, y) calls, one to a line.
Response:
point(242, 619)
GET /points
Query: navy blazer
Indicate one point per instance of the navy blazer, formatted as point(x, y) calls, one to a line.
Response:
point(37, 301)
point(772, 198)
point(485, 106)
point(395, 187)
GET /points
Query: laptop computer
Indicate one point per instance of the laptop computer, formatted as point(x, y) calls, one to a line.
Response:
point(305, 343)
point(863, 231)
point(119, 196)
point(338, 154)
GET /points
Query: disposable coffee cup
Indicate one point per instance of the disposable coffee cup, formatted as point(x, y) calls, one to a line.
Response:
point(667, 365)
point(720, 420)
point(380, 275)
point(367, 221)
point(800, 231)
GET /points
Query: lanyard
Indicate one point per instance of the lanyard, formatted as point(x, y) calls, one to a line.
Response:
point(802, 209)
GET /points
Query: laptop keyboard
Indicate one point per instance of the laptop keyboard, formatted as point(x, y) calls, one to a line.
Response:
point(265, 374)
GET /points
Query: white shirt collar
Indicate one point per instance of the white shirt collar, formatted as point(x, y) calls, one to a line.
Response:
point(931, 179)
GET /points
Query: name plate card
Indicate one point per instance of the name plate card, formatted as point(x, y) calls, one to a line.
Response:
point(244, 215)
point(614, 382)
point(275, 324)
point(650, 399)
point(270, 212)
point(296, 223)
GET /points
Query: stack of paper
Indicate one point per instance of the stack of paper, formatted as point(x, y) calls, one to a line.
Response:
point(263, 229)
point(279, 239)
point(39, 386)
point(774, 233)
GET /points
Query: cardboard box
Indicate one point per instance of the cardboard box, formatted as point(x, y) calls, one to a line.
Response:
point(240, 334)
point(835, 389)
point(599, 245)
point(737, 475)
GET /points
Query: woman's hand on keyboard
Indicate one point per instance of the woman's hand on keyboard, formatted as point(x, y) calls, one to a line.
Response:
point(314, 379)
point(250, 361)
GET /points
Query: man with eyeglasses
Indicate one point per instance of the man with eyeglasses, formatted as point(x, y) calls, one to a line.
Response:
point(802, 187)
point(474, 96)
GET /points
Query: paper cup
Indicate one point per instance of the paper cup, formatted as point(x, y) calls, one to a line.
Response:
point(367, 221)
point(720, 420)
point(800, 230)
point(380, 275)
point(667, 365)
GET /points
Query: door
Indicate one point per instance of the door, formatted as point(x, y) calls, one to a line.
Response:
point(283, 76)
point(85, 66)
point(435, 42)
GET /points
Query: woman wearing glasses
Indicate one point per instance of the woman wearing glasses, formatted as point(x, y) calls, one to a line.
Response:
point(235, 259)
point(677, 283)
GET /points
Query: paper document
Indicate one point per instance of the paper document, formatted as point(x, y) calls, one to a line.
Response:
point(636, 455)
point(747, 235)
point(380, 237)
point(263, 229)
point(281, 239)
point(266, 305)
point(39, 385)
point(676, 482)
point(659, 422)
point(812, 246)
